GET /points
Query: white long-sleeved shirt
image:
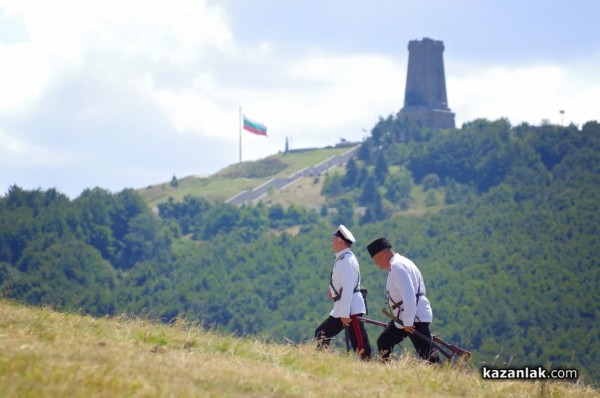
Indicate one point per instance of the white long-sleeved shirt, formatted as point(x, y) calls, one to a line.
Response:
point(404, 281)
point(344, 279)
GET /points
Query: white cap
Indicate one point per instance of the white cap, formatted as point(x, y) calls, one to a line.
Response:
point(345, 234)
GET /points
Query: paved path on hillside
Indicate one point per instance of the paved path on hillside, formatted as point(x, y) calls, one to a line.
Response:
point(280, 183)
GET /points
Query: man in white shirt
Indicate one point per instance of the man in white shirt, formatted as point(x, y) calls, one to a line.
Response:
point(344, 290)
point(406, 297)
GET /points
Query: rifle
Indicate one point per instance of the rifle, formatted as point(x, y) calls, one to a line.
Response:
point(434, 341)
point(456, 350)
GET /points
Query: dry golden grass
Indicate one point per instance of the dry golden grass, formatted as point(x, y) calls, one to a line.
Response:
point(48, 354)
point(304, 192)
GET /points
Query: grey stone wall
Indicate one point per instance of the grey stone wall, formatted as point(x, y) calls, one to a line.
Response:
point(425, 99)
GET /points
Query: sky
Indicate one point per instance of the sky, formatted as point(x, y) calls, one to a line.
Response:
point(123, 94)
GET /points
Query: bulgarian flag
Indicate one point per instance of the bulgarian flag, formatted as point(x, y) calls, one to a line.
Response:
point(254, 127)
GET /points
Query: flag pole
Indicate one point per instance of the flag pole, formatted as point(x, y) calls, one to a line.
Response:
point(240, 121)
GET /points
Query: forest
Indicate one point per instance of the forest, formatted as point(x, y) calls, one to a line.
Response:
point(508, 250)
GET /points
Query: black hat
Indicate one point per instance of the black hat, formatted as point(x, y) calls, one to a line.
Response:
point(378, 245)
point(345, 234)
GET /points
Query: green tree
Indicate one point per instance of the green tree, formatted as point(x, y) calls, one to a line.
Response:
point(380, 129)
point(365, 151)
point(481, 153)
point(404, 204)
point(351, 174)
point(363, 173)
point(190, 214)
point(381, 168)
point(374, 210)
point(345, 212)
point(370, 191)
point(96, 209)
point(398, 186)
point(332, 187)
point(276, 215)
point(456, 192)
point(66, 274)
point(431, 181)
point(431, 199)
point(147, 239)
point(324, 210)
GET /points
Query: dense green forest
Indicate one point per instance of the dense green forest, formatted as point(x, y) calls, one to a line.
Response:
point(507, 252)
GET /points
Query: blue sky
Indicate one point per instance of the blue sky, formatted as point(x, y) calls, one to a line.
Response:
point(124, 94)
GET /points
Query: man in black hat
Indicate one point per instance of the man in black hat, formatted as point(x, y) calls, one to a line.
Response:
point(344, 290)
point(406, 297)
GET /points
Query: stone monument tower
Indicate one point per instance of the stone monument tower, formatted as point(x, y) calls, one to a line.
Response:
point(425, 99)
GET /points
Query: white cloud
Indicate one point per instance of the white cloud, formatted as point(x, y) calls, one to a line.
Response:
point(525, 93)
point(17, 154)
point(23, 75)
point(85, 68)
point(324, 97)
point(139, 37)
point(347, 89)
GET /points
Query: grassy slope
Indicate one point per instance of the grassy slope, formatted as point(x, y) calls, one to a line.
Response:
point(44, 353)
point(305, 192)
point(221, 188)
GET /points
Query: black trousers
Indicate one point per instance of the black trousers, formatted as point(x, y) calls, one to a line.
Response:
point(331, 327)
point(392, 336)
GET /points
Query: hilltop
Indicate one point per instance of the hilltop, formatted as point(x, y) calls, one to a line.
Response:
point(245, 176)
point(304, 188)
point(46, 353)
